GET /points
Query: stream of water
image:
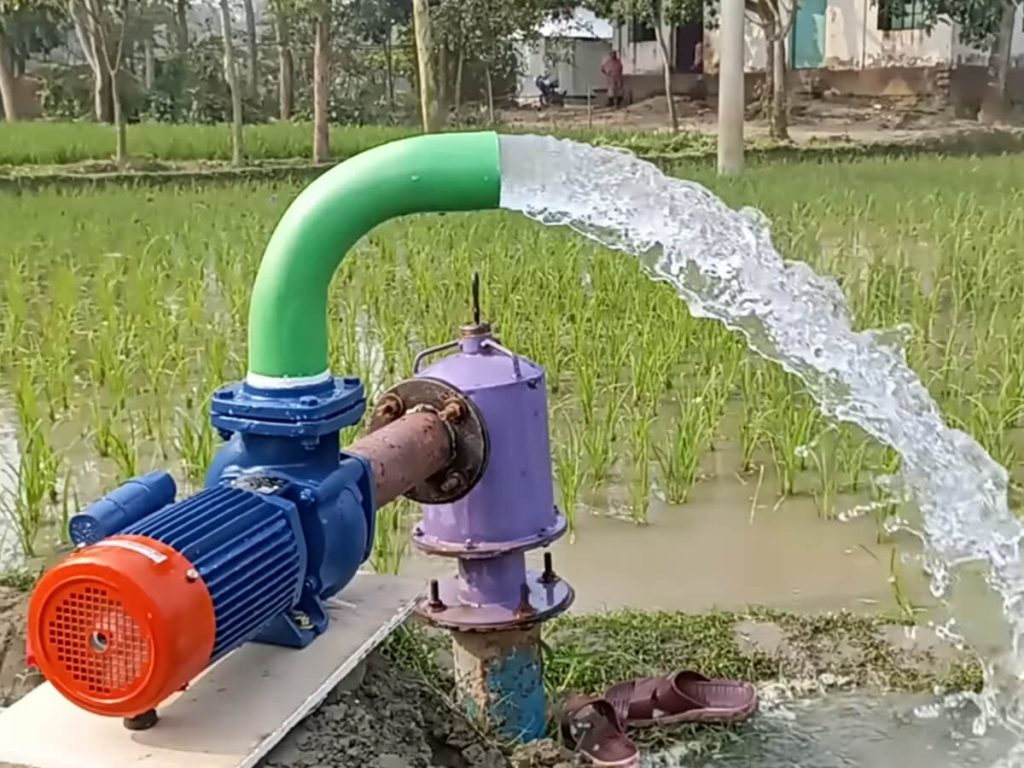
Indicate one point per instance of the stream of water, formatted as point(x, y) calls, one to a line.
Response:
point(723, 265)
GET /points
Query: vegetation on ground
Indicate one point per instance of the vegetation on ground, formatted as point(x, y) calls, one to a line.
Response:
point(124, 309)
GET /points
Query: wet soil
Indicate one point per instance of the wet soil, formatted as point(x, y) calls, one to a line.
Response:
point(400, 714)
point(392, 720)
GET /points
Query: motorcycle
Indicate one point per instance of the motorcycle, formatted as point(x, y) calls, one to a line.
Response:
point(550, 95)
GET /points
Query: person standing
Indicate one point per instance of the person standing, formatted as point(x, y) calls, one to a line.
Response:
point(614, 79)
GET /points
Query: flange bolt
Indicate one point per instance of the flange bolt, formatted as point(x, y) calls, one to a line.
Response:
point(435, 604)
point(548, 576)
point(525, 607)
point(390, 407)
point(451, 482)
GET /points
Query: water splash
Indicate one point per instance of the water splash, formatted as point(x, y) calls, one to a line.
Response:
point(722, 263)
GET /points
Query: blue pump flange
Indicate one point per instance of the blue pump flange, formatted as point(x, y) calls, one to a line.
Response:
point(301, 412)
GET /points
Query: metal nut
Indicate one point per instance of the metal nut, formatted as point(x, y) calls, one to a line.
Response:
point(451, 482)
point(390, 407)
point(454, 411)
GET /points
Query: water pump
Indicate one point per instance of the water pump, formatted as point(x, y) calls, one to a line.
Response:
point(159, 589)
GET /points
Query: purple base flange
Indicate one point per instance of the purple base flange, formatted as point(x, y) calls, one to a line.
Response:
point(546, 600)
point(470, 549)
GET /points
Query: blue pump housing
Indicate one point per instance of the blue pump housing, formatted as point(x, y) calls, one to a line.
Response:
point(285, 520)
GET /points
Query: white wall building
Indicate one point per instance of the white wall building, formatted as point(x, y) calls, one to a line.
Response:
point(826, 34)
point(571, 50)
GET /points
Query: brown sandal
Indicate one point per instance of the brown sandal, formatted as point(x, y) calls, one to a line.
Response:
point(684, 697)
point(592, 727)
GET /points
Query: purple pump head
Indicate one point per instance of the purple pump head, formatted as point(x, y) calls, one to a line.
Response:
point(511, 509)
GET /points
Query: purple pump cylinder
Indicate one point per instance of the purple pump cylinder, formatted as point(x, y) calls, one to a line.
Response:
point(510, 510)
point(512, 507)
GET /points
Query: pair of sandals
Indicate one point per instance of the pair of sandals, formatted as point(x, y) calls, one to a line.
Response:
point(596, 727)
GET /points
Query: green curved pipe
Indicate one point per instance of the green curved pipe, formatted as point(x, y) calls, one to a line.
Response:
point(288, 309)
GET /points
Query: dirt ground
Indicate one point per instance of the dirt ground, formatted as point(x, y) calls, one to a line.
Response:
point(397, 718)
point(391, 720)
point(825, 118)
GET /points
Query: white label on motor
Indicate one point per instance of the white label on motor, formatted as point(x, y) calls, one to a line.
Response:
point(141, 549)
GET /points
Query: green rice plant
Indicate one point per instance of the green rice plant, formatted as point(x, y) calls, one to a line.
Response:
point(392, 538)
point(825, 461)
point(34, 480)
point(795, 421)
point(692, 429)
point(16, 309)
point(851, 458)
point(195, 442)
point(641, 421)
point(570, 472)
point(599, 436)
point(124, 450)
point(755, 431)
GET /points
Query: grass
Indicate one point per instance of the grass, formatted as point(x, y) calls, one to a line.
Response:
point(122, 310)
point(590, 653)
point(65, 143)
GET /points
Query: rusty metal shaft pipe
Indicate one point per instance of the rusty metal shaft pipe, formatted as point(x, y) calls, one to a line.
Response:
point(405, 452)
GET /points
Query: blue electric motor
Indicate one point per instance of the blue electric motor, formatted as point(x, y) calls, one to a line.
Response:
point(285, 521)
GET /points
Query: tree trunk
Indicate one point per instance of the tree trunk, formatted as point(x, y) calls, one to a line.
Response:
point(252, 61)
point(150, 62)
point(231, 76)
point(429, 109)
point(285, 67)
point(458, 82)
point(8, 97)
point(768, 86)
point(490, 96)
point(321, 84)
point(181, 25)
point(994, 103)
point(389, 66)
point(779, 120)
point(666, 66)
point(443, 95)
point(103, 101)
point(120, 124)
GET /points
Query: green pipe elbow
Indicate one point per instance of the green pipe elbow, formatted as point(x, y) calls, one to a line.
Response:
point(288, 308)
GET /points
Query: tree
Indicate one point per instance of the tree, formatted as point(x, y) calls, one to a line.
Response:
point(252, 52)
point(231, 76)
point(776, 18)
point(659, 15)
point(429, 107)
point(102, 28)
point(375, 21)
point(321, 80)
point(484, 32)
point(283, 11)
point(9, 11)
point(985, 24)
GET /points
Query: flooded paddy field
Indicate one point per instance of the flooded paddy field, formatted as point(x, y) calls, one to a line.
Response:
point(696, 477)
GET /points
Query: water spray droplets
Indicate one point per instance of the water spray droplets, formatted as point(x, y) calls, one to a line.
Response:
point(722, 264)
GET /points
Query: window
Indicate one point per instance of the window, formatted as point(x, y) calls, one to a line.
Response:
point(895, 15)
point(639, 32)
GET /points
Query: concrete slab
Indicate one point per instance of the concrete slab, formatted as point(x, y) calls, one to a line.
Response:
point(232, 715)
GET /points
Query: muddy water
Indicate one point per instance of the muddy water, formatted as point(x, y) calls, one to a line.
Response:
point(731, 546)
point(851, 731)
point(10, 457)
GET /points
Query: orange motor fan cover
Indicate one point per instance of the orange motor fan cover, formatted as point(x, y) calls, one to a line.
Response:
point(120, 625)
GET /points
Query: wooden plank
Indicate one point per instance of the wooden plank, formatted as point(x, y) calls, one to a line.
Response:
point(233, 714)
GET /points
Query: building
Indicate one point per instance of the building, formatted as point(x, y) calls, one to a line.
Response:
point(570, 49)
point(851, 46)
